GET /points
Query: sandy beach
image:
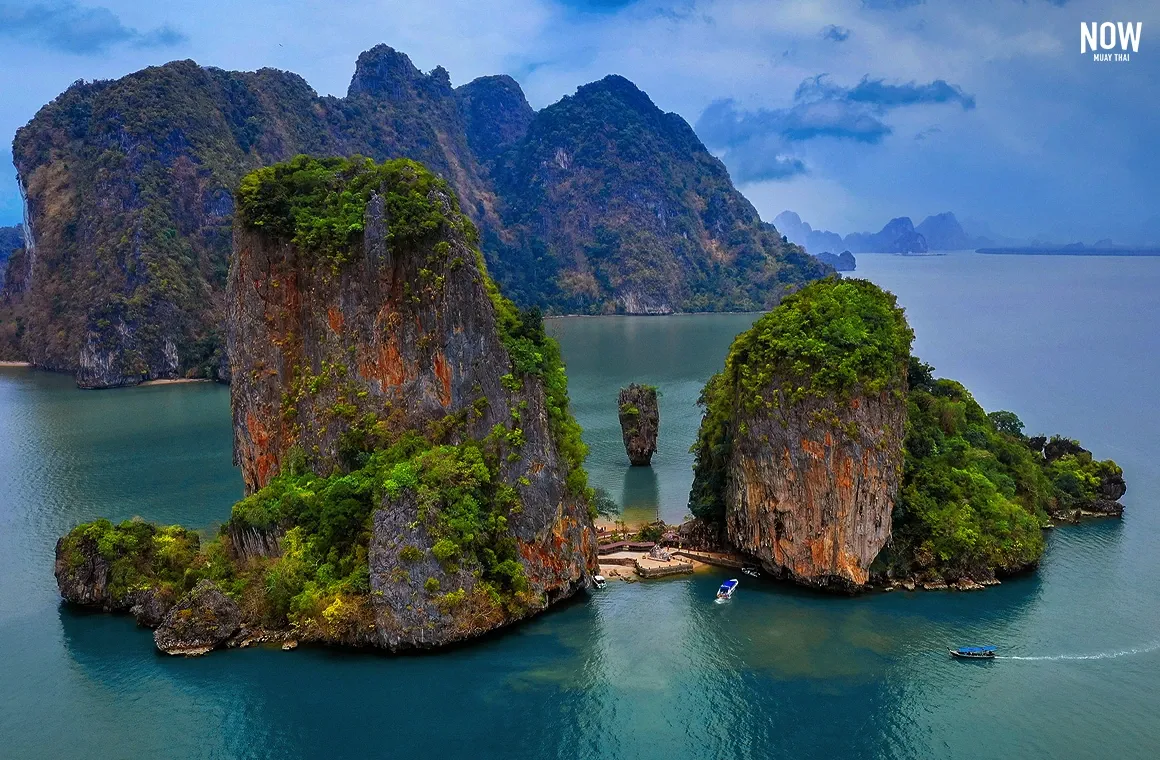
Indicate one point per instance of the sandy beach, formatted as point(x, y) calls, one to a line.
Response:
point(174, 381)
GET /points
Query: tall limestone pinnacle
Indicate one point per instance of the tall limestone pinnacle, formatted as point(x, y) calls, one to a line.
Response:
point(414, 475)
point(800, 452)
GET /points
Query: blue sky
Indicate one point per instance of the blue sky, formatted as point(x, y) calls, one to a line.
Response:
point(847, 111)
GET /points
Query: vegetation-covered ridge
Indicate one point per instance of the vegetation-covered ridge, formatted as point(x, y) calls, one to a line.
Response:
point(612, 205)
point(976, 491)
point(834, 337)
point(600, 203)
point(319, 204)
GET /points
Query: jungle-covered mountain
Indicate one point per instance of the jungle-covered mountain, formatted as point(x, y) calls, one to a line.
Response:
point(599, 203)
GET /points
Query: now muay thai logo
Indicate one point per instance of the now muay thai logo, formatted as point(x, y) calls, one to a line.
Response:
point(1110, 41)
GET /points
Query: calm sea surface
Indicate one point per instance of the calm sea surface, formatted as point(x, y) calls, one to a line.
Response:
point(648, 670)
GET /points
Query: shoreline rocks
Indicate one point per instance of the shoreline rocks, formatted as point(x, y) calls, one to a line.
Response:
point(203, 620)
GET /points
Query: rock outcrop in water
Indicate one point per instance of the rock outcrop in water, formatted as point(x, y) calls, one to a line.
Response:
point(132, 567)
point(413, 471)
point(204, 619)
point(639, 422)
point(800, 451)
point(811, 488)
point(841, 262)
point(1087, 486)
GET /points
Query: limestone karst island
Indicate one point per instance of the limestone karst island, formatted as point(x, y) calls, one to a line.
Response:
point(707, 380)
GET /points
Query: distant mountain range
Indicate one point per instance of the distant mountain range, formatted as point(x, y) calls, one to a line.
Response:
point(941, 232)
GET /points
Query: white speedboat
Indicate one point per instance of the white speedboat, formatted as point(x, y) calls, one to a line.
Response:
point(598, 581)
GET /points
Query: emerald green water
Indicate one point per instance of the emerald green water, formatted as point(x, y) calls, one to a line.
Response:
point(646, 670)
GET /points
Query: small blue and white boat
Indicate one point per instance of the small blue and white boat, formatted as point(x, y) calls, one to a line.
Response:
point(727, 589)
point(974, 653)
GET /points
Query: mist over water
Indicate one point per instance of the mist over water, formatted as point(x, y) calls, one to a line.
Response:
point(645, 670)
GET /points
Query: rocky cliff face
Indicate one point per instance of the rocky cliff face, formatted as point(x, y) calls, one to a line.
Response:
point(129, 190)
point(811, 488)
point(799, 455)
point(12, 270)
point(639, 422)
point(11, 239)
point(399, 333)
point(496, 114)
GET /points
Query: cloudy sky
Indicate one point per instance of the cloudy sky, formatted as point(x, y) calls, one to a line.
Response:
point(847, 111)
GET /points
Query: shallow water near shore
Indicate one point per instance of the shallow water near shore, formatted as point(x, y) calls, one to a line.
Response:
point(644, 670)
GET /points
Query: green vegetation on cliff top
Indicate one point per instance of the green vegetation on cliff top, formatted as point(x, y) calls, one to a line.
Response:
point(319, 204)
point(831, 338)
point(975, 491)
point(140, 555)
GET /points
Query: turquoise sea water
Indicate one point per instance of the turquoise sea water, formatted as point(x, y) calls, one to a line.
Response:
point(646, 670)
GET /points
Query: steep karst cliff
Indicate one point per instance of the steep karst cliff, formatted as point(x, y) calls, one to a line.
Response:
point(800, 451)
point(11, 239)
point(898, 236)
point(600, 203)
point(414, 475)
point(129, 194)
point(639, 422)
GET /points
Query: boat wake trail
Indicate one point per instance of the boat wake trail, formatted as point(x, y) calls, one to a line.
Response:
point(1097, 656)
